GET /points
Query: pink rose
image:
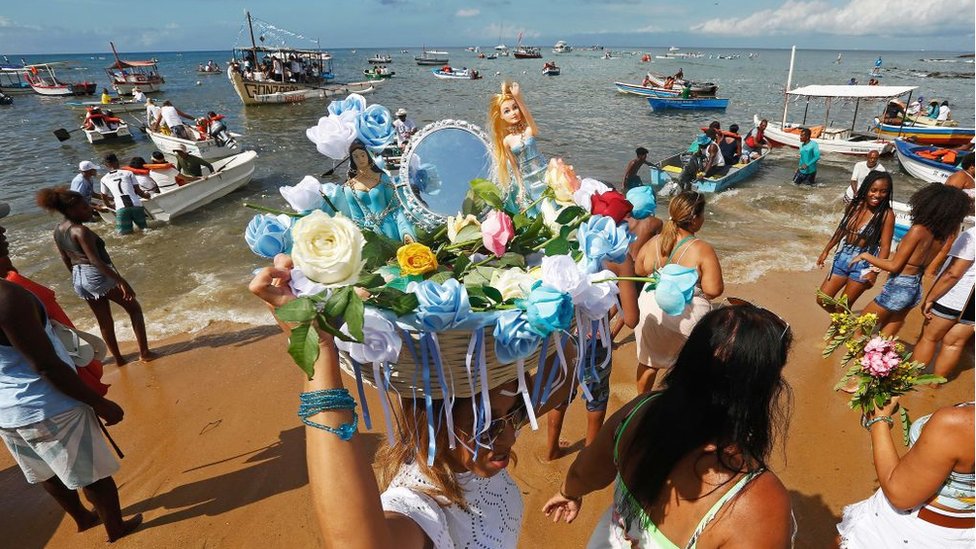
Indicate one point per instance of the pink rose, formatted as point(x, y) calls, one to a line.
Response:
point(497, 231)
point(562, 179)
point(880, 357)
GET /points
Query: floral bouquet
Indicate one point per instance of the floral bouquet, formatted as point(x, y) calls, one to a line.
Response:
point(880, 365)
point(495, 274)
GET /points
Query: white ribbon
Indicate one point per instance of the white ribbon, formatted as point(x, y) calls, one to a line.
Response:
point(524, 389)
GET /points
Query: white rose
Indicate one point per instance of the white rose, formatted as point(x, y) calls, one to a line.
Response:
point(562, 273)
point(329, 250)
point(549, 213)
point(381, 343)
point(456, 224)
point(584, 196)
point(305, 196)
point(333, 134)
point(595, 300)
point(512, 283)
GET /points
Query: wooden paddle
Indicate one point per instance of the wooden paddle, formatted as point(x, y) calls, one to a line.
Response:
point(63, 134)
point(334, 168)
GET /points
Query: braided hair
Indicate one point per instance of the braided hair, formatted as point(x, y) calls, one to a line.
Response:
point(871, 234)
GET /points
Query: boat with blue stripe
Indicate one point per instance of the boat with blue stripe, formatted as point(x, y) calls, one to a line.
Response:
point(926, 169)
point(694, 103)
point(925, 133)
point(644, 91)
point(669, 171)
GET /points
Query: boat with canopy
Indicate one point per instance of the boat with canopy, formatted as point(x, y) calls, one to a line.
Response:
point(832, 139)
point(11, 82)
point(126, 75)
point(44, 81)
point(269, 74)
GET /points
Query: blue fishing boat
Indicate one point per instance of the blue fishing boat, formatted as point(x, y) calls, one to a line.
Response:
point(669, 171)
point(925, 162)
point(925, 131)
point(645, 91)
point(694, 103)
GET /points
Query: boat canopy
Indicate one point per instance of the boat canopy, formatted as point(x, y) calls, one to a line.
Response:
point(120, 64)
point(858, 92)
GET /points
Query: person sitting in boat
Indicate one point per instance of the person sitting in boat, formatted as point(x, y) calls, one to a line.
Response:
point(173, 118)
point(106, 97)
point(669, 83)
point(945, 114)
point(714, 160)
point(164, 174)
point(731, 145)
point(137, 95)
point(447, 69)
point(916, 107)
point(98, 119)
point(894, 112)
point(754, 142)
point(686, 91)
point(201, 127)
point(189, 165)
point(201, 68)
point(138, 168)
point(647, 81)
point(933, 110)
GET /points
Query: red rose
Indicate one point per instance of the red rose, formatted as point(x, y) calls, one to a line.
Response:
point(611, 204)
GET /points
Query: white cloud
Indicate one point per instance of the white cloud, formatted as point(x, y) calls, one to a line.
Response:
point(7, 23)
point(509, 33)
point(856, 18)
point(470, 12)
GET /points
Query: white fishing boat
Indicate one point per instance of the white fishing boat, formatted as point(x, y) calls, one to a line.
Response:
point(230, 174)
point(11, 83)
point(107, 132)
point(207, 149)
point(380, 59)
point(456, 74)
point(44, 81)
point(431, 57)
point(115, 106)
point(562, 47)
point(126, 75)
point(918, 161)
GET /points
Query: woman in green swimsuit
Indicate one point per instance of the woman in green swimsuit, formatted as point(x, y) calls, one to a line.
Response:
point(678, 456)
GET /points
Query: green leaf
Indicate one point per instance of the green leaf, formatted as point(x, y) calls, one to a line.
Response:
point(468, 232)
point(569, 214)
point(929, 379)
point(326, 326)
point(394, 300)
point(442, 277)
point(511, 259)
point(378, 250)
point(472, 205)
point(488, 192)
point(399, 283)
point(460, 264)
point(492, 294)
point(559, 246)
point(370, 281)
point(303, 346)
point(478, 302)
point(298, 310)
point(479, 276)
point(336, 304)
point(353, 315)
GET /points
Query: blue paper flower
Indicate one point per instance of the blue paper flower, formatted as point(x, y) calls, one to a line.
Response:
point(269, 235)
point(601, 239)
point(374, 127)
point(355, 103)
point(547, 309)
point(514, 337)
point(644, 201)
point(441, 306)
point(675, 288)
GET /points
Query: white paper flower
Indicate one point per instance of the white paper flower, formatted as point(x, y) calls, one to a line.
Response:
point(333, 134)
point(305, 196)
point(329, 250)
point(381, 343)
point(562, 273)
point(595, 300)
point(301, 286)
point(456, 223)
point(588, 188)
point(512, 283)
point(549, 213)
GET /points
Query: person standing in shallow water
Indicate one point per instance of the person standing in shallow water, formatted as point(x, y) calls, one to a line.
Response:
point(631, 179)
point(93, 275)
point(806, 173)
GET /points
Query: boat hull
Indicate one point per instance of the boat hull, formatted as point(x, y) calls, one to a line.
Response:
point(65, 90)
point(644, 91)
point(667, 103)
point(208, 150)
point(669, 170)
point(697, 88)
point(836, 144)
point(903, 220)
point(930, 135)
point(124, 106)
point(233, 173)
point(145, 85)
point(551, 72)
point(263, 93)
point(456, 75)
point(925, 169)
point(98, 137)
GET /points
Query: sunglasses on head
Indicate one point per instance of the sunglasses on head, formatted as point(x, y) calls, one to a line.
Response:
point(739, 302)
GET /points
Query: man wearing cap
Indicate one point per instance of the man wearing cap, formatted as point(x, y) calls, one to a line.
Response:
point(49, 418)
point(189, 165)
point(84, 182)
point(120, 188)
point(137, 95)
point(405, 128)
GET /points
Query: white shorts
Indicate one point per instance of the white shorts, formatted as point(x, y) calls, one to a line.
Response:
point(875, 523)
point(69, 445)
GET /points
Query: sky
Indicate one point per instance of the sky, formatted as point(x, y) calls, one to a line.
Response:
point(86, 26)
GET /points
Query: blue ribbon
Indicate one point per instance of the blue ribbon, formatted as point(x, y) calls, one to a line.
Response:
point(357, 368)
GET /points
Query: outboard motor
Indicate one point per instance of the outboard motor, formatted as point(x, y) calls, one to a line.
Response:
point(219, 132)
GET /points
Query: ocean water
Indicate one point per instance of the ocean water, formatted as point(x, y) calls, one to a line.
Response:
point(195, 270)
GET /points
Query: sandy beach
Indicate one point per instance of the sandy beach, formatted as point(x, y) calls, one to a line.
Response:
point(215, 454)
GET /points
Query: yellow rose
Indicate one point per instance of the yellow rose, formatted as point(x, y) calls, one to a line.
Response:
point(416, 259)
point(561, 178)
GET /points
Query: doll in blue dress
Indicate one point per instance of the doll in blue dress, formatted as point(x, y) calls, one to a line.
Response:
point(521, 168)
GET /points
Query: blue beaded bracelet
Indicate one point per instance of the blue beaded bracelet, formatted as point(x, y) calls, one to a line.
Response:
point(313, 402)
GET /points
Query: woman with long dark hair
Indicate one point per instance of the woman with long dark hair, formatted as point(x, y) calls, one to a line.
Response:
point(867, 226)
point(689, 276)
point(937, 212)
point(679, 456)
point(95, 278)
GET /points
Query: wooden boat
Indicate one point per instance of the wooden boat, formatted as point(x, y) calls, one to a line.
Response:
point(126, 75)
point(44, 81)
point(108, 133)
point(525, 52)
point(378, 73)
point(697, 88)
point(830, 140)
point(456, 74)
point(692, 103)
point(209, 71)
point(926, 169)
point(645, 91)
point(11, 83)
point(924, 133)
point(115, 106)
point(669, 171)
point(380, 59)
point(431, 57)
point(207, 149)
point(230, 174)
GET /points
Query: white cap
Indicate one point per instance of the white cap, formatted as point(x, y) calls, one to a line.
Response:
point(180, 147)
point(85, 166)
point(401, 112)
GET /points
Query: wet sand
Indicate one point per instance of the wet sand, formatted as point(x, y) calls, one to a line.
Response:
point(215, 454)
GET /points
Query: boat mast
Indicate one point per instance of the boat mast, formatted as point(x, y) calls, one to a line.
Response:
point(786, 92)
point(254, 47)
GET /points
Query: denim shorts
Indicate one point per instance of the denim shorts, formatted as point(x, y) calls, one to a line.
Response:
point(801, 178)
point(842, 260)
point(90, 283)
point(598, 385)
point(901, 292)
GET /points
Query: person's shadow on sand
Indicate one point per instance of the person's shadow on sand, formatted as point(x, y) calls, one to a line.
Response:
point(816, 524)
point(277, 468)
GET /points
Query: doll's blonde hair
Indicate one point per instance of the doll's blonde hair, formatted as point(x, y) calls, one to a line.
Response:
point(505, 162)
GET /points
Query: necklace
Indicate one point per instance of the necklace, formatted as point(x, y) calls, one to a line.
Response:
point(517, 128)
